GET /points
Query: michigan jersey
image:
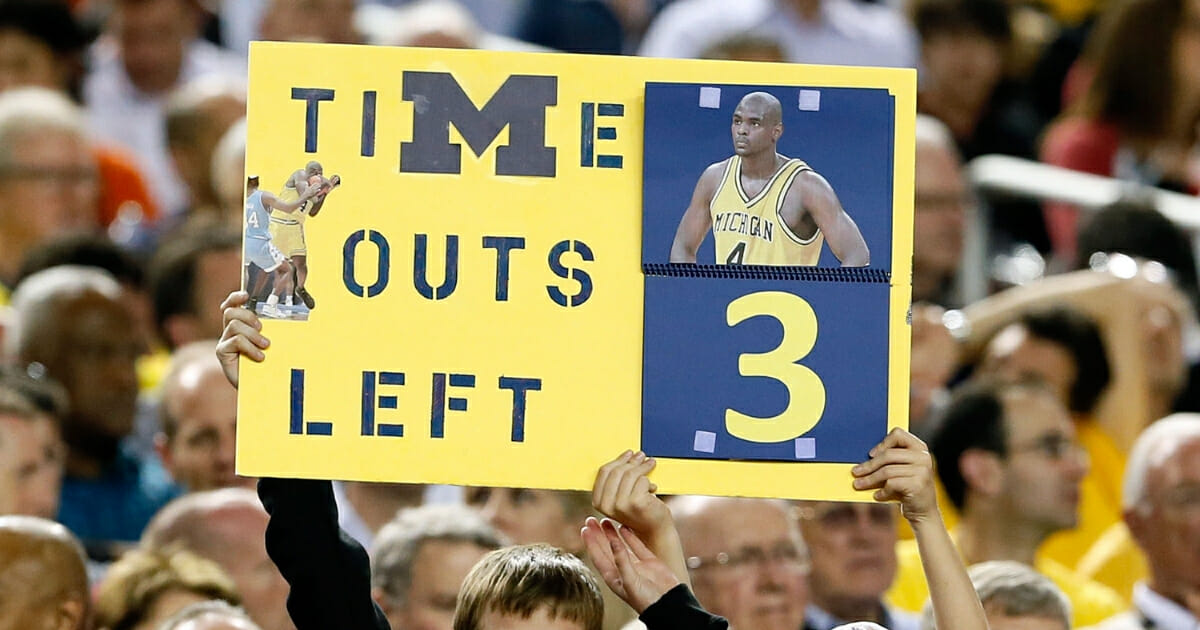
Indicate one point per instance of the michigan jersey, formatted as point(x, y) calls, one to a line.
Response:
point(287, 228)
point(290, 195)
point(749, 230)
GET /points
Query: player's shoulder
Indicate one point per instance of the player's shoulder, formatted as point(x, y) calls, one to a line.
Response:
point(712, 173)
point(806, 189)
point(716, 170)
point(720, 165)
point(806, 177)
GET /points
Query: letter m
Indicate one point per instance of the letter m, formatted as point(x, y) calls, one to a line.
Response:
point(520, 104)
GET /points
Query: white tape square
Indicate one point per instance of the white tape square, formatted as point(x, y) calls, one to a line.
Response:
point(810, 100)
point(710, 97)
point(806, 448)
point(705, 442)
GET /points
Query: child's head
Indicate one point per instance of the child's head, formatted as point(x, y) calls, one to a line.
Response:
point(529, 586)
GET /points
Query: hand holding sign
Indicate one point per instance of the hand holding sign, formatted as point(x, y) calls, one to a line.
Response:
point(624, 492)
point(241, 336)
point(900, 469)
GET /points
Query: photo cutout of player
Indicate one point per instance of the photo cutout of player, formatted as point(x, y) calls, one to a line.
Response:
point(268, 274)
point(765, 208)
point(287, 228)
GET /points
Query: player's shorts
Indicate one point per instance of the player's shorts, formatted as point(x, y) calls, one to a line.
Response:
point(288, 236)
point(263, 253)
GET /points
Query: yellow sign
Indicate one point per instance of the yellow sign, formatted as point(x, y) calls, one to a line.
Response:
point(464, 281)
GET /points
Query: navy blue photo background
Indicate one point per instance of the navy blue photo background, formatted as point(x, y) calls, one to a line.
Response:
point(690, 373)
point(848, 141)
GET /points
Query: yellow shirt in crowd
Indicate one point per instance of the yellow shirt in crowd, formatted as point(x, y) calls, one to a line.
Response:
point(1099, 500)
point(1115, 561)
point(1091, 602)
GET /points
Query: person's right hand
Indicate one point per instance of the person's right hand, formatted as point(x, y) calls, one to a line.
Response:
point(901, 469)
point(629, 568)
point(624, 493)
point(241, 337)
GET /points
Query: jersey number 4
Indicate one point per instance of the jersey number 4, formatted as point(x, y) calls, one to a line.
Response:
point(737, 254)
point(252, 220)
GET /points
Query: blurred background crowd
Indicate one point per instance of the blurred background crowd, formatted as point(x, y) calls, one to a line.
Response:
point(1055, 359)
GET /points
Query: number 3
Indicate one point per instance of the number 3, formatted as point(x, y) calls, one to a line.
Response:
point(806, 392)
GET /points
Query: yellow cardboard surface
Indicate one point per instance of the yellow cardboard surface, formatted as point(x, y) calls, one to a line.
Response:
point(587, 357)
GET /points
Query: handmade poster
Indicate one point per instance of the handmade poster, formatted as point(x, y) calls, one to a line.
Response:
point(505, 269)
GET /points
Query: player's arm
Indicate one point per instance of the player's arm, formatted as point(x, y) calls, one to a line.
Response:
point(696, 220)
point(271, 201)
point(298, 180)
point(812, 194)
point(901, 469)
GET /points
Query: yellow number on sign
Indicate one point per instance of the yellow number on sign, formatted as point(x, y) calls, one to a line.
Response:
point(806, 393)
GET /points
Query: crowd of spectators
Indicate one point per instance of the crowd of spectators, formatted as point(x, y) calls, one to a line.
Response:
point(1060, 405)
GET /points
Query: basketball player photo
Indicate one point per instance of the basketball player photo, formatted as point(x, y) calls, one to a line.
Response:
point(783, 188)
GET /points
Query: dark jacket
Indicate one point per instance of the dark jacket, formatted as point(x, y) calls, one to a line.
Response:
point(330, 573)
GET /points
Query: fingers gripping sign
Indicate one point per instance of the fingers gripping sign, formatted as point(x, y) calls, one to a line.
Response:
point(242, 335)
point(624, 492)
point(900, 469)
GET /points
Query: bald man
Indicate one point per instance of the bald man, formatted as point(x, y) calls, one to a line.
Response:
point(198, 415)
point(765, 208)
point(228, 527)
point(746, 560)
point(43, 583)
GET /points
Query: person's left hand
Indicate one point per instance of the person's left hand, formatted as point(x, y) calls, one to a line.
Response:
point(242, 335)
point(629, 568)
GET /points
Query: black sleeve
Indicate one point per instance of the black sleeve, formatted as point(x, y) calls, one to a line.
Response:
point(679, 610)
point(329, 573)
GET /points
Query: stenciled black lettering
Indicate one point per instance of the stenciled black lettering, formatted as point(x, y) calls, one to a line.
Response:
point(439, 101)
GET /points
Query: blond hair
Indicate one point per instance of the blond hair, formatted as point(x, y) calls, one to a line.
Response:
point(136, 582)
point(521, 580)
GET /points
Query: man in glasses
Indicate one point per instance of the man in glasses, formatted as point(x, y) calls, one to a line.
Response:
point(1008, 458)
point(48, 182)
point(853, 555)
point(1162, 511)
point(746, 559)
point(1063, 348)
